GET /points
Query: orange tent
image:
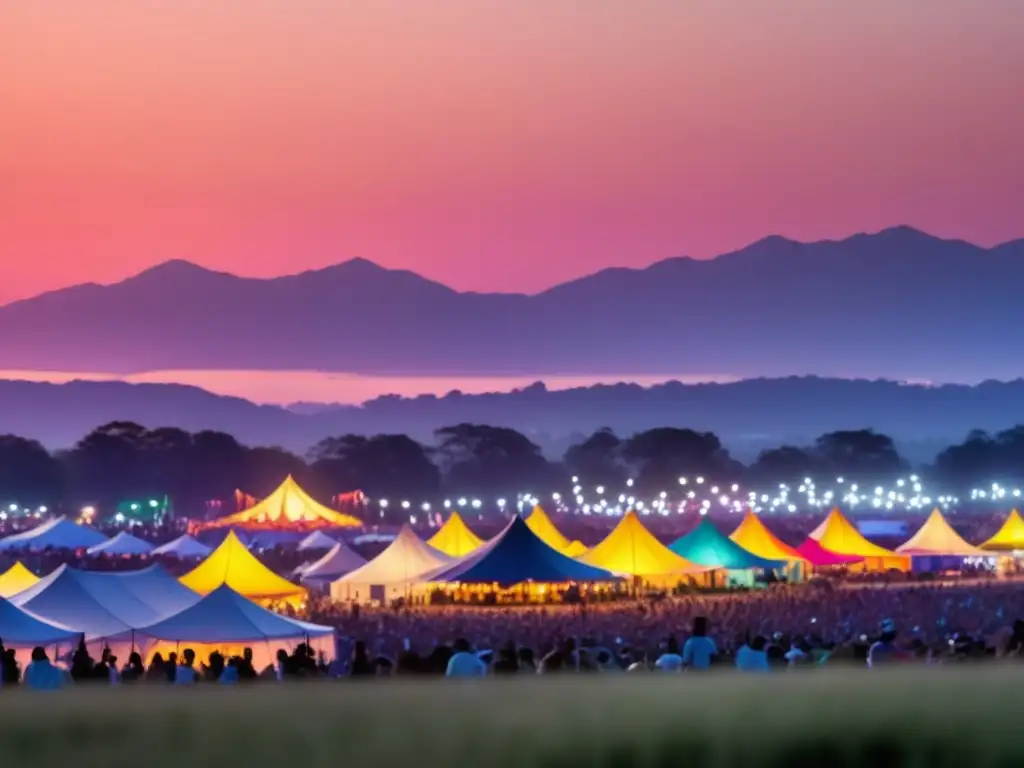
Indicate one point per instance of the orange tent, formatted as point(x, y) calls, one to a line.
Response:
point(754, 536)
point(839, 535)
point(936, 538)
point(289, 508)
point(1009, 537)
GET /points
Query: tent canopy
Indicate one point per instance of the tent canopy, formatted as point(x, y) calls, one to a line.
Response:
point(753, 535)
point(936, 538)
point(59, 533)
point(839, 535)
point(234, 565)
point(539, 522)
point(403, 561)
point(820, 557)
point(514, 556)
point(631, 549)
point(1009, 537)
point(225, 616)
point(316, 540)
point(23, 629)
point(122, 544)
point(455, 538)
point(705, 545)
point(16, 579)
point(183, 546)
point(289, 508)
point(336, 563)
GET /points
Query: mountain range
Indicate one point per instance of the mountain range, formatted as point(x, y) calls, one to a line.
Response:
point(747, 415)
point(899, 304)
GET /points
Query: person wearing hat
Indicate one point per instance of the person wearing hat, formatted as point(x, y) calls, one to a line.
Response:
point(884, 649)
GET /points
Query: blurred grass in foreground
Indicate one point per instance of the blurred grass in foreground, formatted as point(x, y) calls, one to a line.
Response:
point(925, 718)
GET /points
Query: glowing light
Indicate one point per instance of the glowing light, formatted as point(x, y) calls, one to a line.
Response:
point(406, 505)
point(383, 503)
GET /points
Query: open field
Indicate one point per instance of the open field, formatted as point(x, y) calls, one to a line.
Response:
point(926, 718)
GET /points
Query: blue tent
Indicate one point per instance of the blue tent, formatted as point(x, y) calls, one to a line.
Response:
point(706, 545)
point(514, 556)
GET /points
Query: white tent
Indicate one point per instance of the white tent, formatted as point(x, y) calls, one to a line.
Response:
point(22, 629)
point(104, 604)
point(316, 540)
point(226, 621)
point(391, 573)
point(122, 544)
point(339, 561)
point(183, 546)
point(59, 533)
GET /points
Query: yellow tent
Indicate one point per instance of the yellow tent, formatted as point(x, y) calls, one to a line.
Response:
point(754, 536)
point(542, 527)
point(454, 538)
point(936, 538)
point(287, 508)
point(1010, 537)
point(16, 579)
point(631, 549)
point(232, 564)
point(839, 535)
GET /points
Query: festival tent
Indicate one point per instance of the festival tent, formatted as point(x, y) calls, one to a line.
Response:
point(335, 564)
point(23, 629)
point(820, 557)
point(539, 522)
point(936, 538)
point(1009, 537)
point(839, 535)
point(316, 540)
point(59, 533)
point(183, 546)
point(16, 579)
point(707, 546)
point(630, 549)
point(514, 556)
point(289, 508)
point(454, 538)
point(232, 564)
point(227, 621)
point(122, 544)
point(392, 573)
point(753, 535)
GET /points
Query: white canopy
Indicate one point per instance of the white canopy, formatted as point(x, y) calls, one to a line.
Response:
point(59, 533)
point(226, 617)
point(22, 629)
point(316, 540)
point(339, 561)
point(122, 544)
point(104, 604)
point(183, 546)
point(397, 567)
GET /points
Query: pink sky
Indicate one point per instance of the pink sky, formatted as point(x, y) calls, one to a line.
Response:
point(490, 144)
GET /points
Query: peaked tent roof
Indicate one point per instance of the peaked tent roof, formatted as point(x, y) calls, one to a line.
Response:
point(232, 564)
point(631, 549)
point(59, 533)
point(225, 616)
point(122, 544)
point(517, 555)
point(455, 538)
point(16, 579)
point(20, 628)
point(336, 563)
point(820, 557)
point(104, 604)
point(287, 508)
point(316, 540)
point(936, 538)
point(837, 534)
point(1010, 535)
point(707, 546)
point(539, 522)
point(404, 560)
point(183, 546)
point(753, 535)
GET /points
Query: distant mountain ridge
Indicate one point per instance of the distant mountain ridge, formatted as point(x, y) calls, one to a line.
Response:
point(748, 415)
point(899, 303)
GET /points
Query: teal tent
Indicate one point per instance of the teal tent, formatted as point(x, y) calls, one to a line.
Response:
point(706, 546)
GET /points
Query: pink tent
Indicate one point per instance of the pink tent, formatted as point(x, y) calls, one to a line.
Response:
point(820, 557)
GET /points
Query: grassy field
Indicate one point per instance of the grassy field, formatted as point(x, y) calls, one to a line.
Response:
point(928, 718)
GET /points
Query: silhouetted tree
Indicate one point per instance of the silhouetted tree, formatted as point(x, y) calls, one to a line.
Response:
point(598, 459)
point(29, 475)
point(392, 465)
point(661, 456)
point(477, 458)
point(859, 454)
point(786, 464)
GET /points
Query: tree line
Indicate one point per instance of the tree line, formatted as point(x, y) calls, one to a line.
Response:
point(124, 460)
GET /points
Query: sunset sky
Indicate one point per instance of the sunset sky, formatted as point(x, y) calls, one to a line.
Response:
point(499, 145)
